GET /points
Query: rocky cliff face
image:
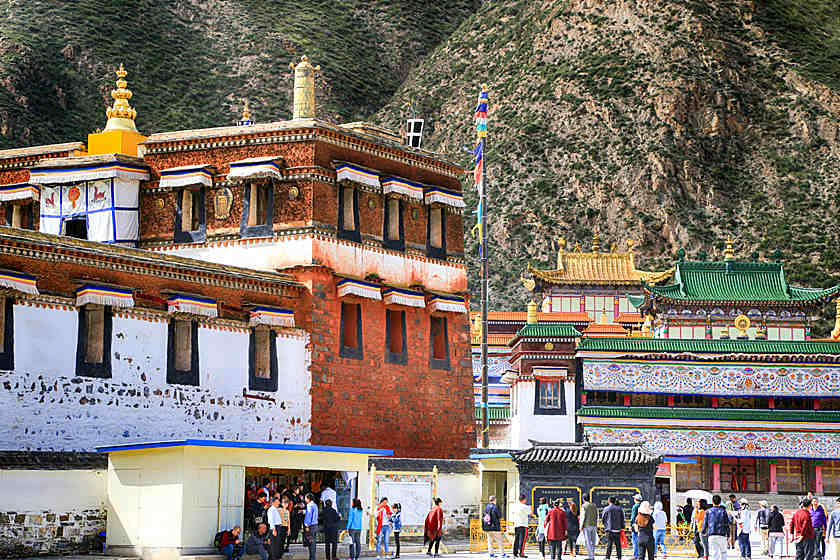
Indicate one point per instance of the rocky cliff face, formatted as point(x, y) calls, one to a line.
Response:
point(674, 123)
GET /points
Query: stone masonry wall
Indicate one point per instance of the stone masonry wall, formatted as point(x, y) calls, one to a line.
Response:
point(25, 534)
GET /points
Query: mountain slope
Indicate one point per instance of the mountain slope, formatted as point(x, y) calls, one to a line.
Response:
point(675, 123)
point(192, 62)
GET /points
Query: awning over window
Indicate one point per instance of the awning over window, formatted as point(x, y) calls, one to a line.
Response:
point(18, 191)
point(272, 316)
point(399, 296)
point(23, 283)
point(119, 170)
point(451, 304)
point(352, 287)
point(268, 167)
point(356, 174)
point(444, 196)
point(104, 295)
point(404, 187)
point(187, 175)
point(193, 305)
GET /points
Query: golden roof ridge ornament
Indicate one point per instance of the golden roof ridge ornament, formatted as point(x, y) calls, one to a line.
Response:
point(121, 115)
point(531, 315)
point(304, 93)
point(729, 252)
point(835, 334)
point(561, 248)
point(246, 116)
point(596, 241)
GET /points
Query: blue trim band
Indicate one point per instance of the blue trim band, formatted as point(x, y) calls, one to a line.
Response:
point(683, 460)
point(245, 445)
point(479, 456)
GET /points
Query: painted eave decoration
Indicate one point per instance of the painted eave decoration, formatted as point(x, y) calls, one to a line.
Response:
point(187, 176)
point(18, 191)
point(268, 167)
point(409, 189)
point(451, 304)
point(440, 195)
point(360, 288)
point(272, 316)
point(23, 283)
point(104, 295)
point(193, 305)
point(89, 172)
point(356, 174)
point(400, 296)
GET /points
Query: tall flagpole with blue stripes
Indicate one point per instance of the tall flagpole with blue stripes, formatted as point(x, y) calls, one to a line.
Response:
point(480, 176)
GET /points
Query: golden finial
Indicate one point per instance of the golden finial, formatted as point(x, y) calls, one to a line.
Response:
point(121, 115)
point(729, 252)
point(596, 243)
point(835, 334)
point(531, 316)
point(577, 247)
point(561, 248)
point(304, 96)
point(246, 114)
point(612, 248)
point(630, 245)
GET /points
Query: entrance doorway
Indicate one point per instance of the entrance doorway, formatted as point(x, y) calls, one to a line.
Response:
point(738, 474)
point(663, 494)
point(494, 483)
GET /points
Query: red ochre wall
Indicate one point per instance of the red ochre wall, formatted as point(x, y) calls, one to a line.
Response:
point(413, 409)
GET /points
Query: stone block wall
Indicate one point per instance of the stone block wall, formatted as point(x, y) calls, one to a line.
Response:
point(50, 532)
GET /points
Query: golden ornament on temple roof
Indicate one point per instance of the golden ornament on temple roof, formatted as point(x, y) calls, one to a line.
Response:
point(742, 323)
point(596, 243)
point(630, 244)
point(304, 95)
point(121, 115)
point(835, 333)
point(531, 316)
point(729, 252)
point(246, 114)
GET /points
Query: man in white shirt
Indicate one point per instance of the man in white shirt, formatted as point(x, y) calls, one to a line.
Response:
point(274, 522)
point(521, 513)
point(743, 517)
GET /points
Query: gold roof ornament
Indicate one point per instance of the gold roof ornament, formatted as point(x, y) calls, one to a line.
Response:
point(246, 116)
point(531, 316)
point(630, 244)
point(729, 252)
point(561, 248)
point(742, 323)
point(596, 242)
point(304, 94)
point(121, 115)
point(835, 334)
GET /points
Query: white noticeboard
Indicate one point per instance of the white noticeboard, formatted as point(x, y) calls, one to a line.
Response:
point(414, 497)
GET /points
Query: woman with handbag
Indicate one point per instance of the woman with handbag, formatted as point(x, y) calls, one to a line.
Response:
point(643, 524)
point(556, 530)
point(572, 529)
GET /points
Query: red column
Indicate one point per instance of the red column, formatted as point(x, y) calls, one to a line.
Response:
point(715, 477)
point(774, 486)
point(714, 402)
point(626, 400)
point(671, 400)
point(615, 308)
point(818, 479)
point(816, 404)
point(583, 398)
point(771, 402)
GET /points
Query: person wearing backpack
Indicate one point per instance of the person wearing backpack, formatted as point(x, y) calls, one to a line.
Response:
point(643, 526)
point(491, 524)
point(229, 544)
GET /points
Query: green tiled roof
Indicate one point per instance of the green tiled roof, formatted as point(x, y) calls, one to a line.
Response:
point(710, 346)
point(759, 415)
point(495, 412)
point(558, 330)
point(736, 281)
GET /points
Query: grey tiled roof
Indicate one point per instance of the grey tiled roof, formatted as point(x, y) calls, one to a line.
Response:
point(586, 454)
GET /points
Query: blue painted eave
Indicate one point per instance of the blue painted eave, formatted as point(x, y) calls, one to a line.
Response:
point(243, 445)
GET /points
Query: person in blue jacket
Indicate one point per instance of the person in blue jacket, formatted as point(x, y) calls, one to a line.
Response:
point(354, 527)
point(396, 521)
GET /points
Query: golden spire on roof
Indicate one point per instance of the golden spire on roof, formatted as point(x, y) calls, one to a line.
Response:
point(596, 242)
point(246, 114)
point(531, 316)
point(835, 334)
point(121, 115)
point(729, 252)
point(304, 95)
point(561, 248)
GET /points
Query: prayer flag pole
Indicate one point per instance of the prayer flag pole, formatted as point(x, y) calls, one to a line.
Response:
point(481, 183)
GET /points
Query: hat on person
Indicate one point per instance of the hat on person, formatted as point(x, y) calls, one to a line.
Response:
point(744, 501)
point(638, 498)
point(762, 503)
point(644, 507)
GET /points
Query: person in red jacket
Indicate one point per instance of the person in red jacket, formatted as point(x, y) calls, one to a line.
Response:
point(229, 544)
point(555, 530)
point(802, 532)
point(434, 528)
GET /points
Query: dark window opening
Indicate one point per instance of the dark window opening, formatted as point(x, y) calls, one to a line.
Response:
point(262, 359)
point(436, 233)
point(76, 227)
point(182, 352)
point(348, 214)
point(394, 231)
point(7, 334)
point(395, 337)
point(93, 347)
point(21, 216)
point(190, 216)
point(439, 342)
point(257, 210)
point(351, 331)
point(549, 397)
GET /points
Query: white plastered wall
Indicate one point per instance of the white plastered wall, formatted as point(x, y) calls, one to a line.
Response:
point(525, 425)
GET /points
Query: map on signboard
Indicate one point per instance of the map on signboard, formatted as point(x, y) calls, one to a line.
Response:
point(414, 497)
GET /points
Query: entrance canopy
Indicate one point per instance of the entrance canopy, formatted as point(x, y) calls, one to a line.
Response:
point(173, 496)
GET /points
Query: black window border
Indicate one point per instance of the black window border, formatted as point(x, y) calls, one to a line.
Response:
point(395, 244)
point(7, 356)
point(433, 363)
point(261, 230)
point(345, 351)
point(83, 368)
point(436, 252)
point(348, 234)
point(400, 358)
point(260, 383)
point(200, 234)
point(539, 411)
point(10, 210)
point(174, 376)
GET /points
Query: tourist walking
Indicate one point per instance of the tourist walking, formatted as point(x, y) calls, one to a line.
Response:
point(762, 518)
point(383, 526)
point(433, 528)
point(687, 511)
point(589, 525)
point(354, 528)
point(572, 529)
point(491, 524)
point(775, 532)
point(660, 524)
point(555, 530)
point(732, 509)
point(542, 515)
point(330, 519)
point(613, 520)
point(743, 520)
point(634, 511)
point(802, 531)
point(716, 529)
point(832, 533)
point(396, 524)
point(701, 541)
point(521, 515)
point(818, 522)
point(643, 526)
point(310, 525)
